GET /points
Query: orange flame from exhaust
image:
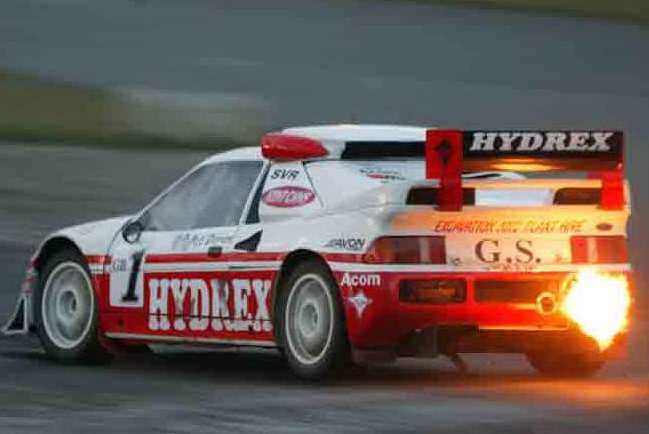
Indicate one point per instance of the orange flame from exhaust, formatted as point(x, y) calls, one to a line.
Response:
point(599, 304)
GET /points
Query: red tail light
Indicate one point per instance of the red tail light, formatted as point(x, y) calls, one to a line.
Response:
point(599, 250)
point(407, 250)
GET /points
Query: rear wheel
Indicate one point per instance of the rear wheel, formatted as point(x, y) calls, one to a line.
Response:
point(566, 365)
point(311, 325)
point(66, 310)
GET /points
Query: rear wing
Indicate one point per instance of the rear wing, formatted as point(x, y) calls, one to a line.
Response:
point(449, 153)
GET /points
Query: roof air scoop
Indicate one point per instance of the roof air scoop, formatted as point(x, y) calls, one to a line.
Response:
point(288, 147)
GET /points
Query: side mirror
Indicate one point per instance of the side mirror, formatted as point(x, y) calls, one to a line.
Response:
point(132, 231)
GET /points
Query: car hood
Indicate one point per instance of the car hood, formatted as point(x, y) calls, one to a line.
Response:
point(92, 238)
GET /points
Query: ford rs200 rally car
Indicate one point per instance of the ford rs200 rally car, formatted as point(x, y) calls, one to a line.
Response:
point(357, 243)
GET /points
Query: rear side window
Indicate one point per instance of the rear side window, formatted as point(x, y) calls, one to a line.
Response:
point(211, 196)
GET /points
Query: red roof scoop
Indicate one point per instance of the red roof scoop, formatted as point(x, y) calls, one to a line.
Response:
point(287, 147)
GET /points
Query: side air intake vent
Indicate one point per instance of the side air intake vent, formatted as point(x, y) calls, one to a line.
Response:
point(428, 196)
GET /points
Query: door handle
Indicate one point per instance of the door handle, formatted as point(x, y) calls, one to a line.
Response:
point(214, 251)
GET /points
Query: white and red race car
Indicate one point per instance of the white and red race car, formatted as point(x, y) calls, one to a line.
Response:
point(357, 243)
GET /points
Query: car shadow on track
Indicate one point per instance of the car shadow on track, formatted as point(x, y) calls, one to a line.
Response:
point(267, 368)
point(250, 365)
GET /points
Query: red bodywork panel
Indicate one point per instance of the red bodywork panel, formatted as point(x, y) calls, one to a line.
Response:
point(387, 320)
point(247, 303)
point(383, 323)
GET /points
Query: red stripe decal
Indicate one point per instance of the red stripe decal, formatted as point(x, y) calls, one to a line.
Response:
point(234, 256)
point(98, 259)
point(203, 257)
point(343, 257)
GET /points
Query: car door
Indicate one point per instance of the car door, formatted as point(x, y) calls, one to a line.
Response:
point(170, 279)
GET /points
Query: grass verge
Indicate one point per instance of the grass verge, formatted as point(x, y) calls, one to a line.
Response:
point(36, 110)
point(628, 10)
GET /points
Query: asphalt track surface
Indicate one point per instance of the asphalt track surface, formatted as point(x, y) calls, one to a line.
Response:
point(253, 391)
point(310, 62)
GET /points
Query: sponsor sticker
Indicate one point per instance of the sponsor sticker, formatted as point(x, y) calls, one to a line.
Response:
point(547, 141)
point(192, 241)
point(288, 197)
point(382, 174)
point(517, 254)
point(354, 244)
point(119, 265)
point(360, 302)
point(360, 280)
point(479, 226)
point(285, 174)
point(219, 305)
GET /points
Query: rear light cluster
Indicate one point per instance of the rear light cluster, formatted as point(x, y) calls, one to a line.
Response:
point(432, 291)
point(407, 250)
point(599, 250)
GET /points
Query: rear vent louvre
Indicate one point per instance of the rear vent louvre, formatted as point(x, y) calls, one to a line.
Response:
point(577, 196)
point(377, 150)
point(428, 196)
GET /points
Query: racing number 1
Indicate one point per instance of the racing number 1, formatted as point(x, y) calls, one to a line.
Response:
point(132, 279)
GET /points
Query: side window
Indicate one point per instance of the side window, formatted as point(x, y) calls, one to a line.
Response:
point(232, 183)
point(211, 196)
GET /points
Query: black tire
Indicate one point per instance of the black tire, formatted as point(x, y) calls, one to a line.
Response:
point(578, 365)
point(335, 353)
point(88, 349)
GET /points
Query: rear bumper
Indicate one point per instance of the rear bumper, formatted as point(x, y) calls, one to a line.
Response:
point(509, 321)
point(451, 339)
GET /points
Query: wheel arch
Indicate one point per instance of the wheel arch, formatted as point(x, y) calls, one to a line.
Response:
point(338, 351)
point(289, 263)
point(51, 247)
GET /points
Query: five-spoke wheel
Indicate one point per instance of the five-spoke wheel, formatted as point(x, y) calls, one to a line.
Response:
point(310, 321)
point(66, 310)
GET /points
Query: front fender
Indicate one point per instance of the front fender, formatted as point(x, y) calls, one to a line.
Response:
point(91, 239)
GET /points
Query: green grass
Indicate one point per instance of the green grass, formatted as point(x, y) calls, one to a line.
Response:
point(37, 110)
point(33, 109)
point(631, 10)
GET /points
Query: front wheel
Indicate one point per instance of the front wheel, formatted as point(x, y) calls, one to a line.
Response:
point(566, 365)
point(311, 324)
point(66, 310)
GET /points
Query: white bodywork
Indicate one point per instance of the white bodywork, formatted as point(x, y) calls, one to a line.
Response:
point(353, 202)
